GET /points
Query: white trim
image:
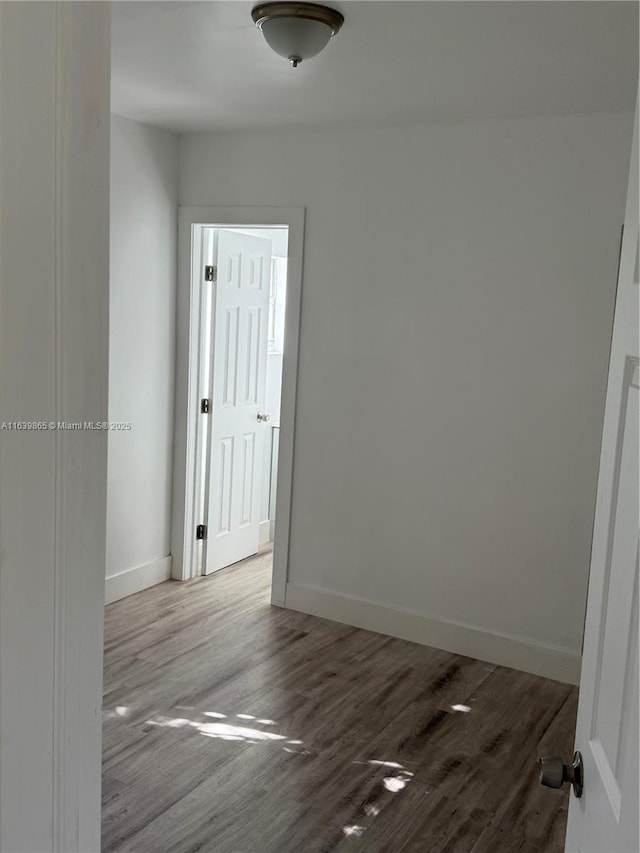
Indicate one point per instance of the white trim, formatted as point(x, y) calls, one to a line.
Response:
point(515, 652)
point(54, 177)
point(136, 579)
point(81, 386)
point(265, 532)
point(186, 401)
point(187, 554)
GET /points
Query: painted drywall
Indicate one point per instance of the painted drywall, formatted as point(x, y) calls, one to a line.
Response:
point(457, 302)
point(144, 180)
point(272, 408)
point(273, 391)
point(274, 385)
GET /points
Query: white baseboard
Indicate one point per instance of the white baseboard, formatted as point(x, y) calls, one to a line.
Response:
point(265, 532)
point(515, 652)
point(136, 579)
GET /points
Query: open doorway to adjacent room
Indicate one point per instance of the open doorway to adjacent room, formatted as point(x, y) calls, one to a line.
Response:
point(241, 347)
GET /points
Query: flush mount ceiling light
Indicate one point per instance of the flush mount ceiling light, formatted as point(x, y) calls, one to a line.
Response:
point(297, 31)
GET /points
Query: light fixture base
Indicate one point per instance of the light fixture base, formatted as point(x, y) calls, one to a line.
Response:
point(309, 11)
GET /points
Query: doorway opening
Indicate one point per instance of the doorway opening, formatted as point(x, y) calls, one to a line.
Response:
point(238, 310)
point(240, 349)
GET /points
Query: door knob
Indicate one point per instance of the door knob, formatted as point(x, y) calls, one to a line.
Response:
point(263, 418)
point(553, 772)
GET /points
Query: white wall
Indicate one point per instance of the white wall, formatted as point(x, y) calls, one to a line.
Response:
point(273, 390)
point(273, 394)
point(144, 179)
point(456, 314)
point(272, 408)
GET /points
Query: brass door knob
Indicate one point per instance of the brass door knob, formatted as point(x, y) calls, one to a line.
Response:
point(553, 772)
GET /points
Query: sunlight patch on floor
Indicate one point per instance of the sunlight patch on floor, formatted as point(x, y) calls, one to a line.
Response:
point(213, 727)
point(118, 711)
point(394, 783)
point(227, 732)
point(355, 830)
point(224, 731)
point(230, 731)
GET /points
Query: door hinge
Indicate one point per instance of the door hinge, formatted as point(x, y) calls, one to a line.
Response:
point(201, 531)
point(210, 273)
point(205, 406)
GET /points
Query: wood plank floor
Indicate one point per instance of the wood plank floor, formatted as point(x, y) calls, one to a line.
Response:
point(234, 727)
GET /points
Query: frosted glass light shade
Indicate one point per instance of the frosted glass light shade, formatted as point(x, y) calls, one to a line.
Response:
point(298, 37)
point(297, 30)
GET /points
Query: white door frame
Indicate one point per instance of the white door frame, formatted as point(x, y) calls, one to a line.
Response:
point(187, 365)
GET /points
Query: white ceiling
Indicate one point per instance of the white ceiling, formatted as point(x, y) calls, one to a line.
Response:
point(192, 66)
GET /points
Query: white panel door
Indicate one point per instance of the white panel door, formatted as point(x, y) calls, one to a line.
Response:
point(605, 818)
point(241, 307)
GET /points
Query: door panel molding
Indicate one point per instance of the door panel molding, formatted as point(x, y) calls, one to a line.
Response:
point(240, 420)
